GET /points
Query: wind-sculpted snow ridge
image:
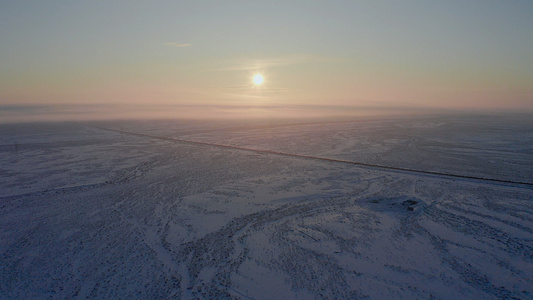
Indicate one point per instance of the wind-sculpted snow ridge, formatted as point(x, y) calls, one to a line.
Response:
point(123, 217)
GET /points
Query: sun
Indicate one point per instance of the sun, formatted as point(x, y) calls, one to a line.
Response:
point(258, 79)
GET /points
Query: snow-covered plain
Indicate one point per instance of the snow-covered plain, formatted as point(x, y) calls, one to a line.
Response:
point(86, 212)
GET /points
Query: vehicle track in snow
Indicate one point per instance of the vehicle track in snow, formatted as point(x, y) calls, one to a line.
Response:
point(361, 164)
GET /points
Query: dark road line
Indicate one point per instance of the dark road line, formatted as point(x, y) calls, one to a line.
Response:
point(314, 157)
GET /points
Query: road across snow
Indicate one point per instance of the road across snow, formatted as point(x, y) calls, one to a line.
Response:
point(362, 164)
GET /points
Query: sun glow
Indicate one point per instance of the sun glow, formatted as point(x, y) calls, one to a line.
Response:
point(258, 79)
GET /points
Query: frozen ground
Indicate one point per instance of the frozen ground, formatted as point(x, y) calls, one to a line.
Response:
point(92, 213)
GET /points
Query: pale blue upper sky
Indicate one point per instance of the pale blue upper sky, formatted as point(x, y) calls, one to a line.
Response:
point(471, 54)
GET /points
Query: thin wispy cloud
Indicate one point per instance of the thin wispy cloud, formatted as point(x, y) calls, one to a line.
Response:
point(250, 89)
point(250, 64)
point(178, 45)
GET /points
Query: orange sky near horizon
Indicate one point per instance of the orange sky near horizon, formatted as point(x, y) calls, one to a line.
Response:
point(386, 55)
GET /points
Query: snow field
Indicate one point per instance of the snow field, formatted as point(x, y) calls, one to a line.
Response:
point(90, 213)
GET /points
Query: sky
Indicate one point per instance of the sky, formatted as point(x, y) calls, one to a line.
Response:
point(72, 59)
